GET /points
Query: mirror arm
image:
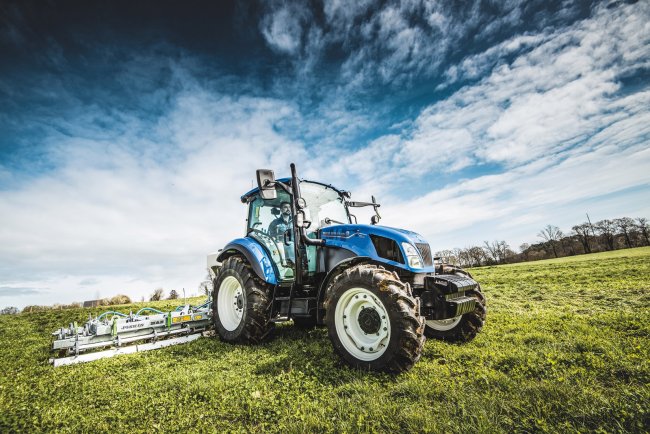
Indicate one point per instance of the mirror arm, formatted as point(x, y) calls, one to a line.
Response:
point(362, 204)
point(284, 187)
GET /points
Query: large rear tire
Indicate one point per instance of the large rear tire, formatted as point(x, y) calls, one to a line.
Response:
point(373, 320)
point(240, 302)
point(462, 328)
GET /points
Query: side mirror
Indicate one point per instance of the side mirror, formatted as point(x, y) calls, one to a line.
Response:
point(266, 184)
point(374, 219)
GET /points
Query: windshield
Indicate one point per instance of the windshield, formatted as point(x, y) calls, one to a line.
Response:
point(324, 205)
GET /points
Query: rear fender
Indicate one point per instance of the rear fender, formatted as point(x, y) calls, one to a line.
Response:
point(254, 254)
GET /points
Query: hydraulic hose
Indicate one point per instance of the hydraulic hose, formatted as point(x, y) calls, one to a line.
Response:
point(148, 308)
point(110, 312)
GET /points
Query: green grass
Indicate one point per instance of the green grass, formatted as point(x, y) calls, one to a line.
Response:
point(565, 349)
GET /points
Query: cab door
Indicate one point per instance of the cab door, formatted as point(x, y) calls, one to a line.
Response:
point(262, 213)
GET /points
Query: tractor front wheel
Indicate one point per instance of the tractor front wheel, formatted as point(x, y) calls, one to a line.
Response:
point(462, 328)
point(240, 303)
point(373, 320)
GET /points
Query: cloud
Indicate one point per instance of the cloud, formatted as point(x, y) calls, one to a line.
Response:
point(283, 27)
point(13, 291)
point(124, 185)
point(148, 198)
point(558, 93)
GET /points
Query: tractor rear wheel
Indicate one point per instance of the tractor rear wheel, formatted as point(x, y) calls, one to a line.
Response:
point(240, 302)
point(462, 328)
point(373, 320)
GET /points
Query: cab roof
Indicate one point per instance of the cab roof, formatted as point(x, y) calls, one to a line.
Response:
point(245, 197)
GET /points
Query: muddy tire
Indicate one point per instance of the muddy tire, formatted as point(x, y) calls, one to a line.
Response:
point(373, 320)
point(463, 328)
point(240, 302)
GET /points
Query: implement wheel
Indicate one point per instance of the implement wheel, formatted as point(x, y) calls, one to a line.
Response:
point(240, 303)
point(373, 320)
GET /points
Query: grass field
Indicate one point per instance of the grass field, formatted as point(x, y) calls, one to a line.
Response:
point(565, 348)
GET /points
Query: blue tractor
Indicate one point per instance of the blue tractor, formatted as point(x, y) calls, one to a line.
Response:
point(305, 258)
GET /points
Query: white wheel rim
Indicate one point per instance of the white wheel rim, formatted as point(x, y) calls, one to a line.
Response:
point(444, 324)
point(230, 303)
point(362, 345)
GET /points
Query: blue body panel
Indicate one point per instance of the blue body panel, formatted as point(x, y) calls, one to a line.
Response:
point(357, 239)
point(258, 257)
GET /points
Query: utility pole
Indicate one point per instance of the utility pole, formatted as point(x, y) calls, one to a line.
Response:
point(591, 226)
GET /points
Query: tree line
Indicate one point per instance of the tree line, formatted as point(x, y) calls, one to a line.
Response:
point(586, 237)
point(158, 294)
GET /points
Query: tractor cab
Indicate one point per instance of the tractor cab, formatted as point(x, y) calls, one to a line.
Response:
point(270, 222)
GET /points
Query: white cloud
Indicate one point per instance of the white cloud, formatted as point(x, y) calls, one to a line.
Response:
point(531, 195)
point(553, 96)
point(126, 214)
point(552, 111)
point(283, 27)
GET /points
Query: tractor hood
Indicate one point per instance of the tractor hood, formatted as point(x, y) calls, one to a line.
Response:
point(364, 240)
point(399, 235)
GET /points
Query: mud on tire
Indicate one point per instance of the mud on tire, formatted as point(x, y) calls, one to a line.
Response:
point(373, 320)
point(240, 302)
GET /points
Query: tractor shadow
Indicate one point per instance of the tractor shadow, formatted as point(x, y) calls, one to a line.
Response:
point(308, 352)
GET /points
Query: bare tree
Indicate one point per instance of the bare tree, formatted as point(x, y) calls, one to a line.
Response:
point(498, 251)
point(173, 295)
point(205, 287)
point(644, 228)
point(157, 295)
point(625, 225)
point(505, 251)
point(477, 255)
point(551, 234)
point(459, 257)
point(491, 251)
point(582, 232)
point(10, 310)
point(524, 250)
point(447, 256)
point(607, 230)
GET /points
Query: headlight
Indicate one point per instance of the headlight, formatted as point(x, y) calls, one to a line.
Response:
point(412, 256)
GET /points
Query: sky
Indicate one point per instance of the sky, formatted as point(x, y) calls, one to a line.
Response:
point(128, 130)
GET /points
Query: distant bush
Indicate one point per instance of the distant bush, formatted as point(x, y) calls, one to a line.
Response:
point(157, 295)
point(56, 306)
point(120, 299)
point(173, 295)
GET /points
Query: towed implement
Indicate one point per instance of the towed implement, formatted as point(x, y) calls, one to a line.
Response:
point(305, 258)
point(126, 333)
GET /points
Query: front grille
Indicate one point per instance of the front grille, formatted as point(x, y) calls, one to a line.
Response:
point(425, 252)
